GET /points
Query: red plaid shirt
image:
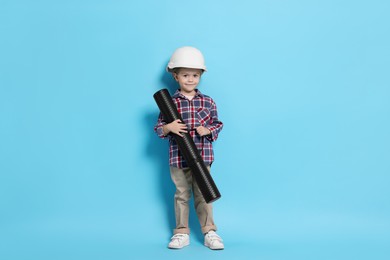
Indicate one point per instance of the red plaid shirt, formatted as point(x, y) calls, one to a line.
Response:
point(200, 111)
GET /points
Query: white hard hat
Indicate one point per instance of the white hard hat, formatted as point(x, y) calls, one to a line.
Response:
point(186, 57)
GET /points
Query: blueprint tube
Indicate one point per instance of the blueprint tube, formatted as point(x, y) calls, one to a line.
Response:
point(187, 148)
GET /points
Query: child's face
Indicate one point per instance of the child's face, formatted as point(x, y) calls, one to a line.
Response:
point(188, 79)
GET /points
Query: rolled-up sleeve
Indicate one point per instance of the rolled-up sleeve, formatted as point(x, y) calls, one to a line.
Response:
point(158, 128)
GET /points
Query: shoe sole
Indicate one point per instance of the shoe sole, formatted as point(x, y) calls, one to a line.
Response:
point(215, 248)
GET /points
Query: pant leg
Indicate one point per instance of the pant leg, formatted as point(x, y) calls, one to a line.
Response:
point(203, 210)
point(182, 179)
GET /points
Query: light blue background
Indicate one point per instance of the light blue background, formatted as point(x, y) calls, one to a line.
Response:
point(302, 163)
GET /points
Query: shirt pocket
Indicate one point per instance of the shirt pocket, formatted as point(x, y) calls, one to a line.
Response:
point(203, 116)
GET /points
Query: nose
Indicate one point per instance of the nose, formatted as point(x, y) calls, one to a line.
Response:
point(190, 78)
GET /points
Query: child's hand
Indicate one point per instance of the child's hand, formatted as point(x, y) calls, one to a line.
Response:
point(203, 130)
point(176, 127)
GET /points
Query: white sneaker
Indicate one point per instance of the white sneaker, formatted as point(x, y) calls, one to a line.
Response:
point(179, 241)
point(213, 241)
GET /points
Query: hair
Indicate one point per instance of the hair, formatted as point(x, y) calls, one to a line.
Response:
point(177, 70)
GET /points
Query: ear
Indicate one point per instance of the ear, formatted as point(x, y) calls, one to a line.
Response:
point(174, 74)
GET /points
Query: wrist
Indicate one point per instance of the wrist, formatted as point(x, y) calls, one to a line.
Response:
point(208, 131)
point(166, 129)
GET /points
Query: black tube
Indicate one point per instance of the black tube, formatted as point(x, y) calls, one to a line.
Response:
point(187, 147)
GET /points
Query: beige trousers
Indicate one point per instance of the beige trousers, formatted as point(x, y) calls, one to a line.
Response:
point(185, 186)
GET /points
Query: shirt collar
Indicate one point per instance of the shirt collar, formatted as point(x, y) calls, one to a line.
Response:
point(179, 95)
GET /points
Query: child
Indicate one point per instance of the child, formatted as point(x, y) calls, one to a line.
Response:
point(200, 117)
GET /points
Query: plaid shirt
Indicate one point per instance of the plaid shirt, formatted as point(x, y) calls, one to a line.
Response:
point(200, 111)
